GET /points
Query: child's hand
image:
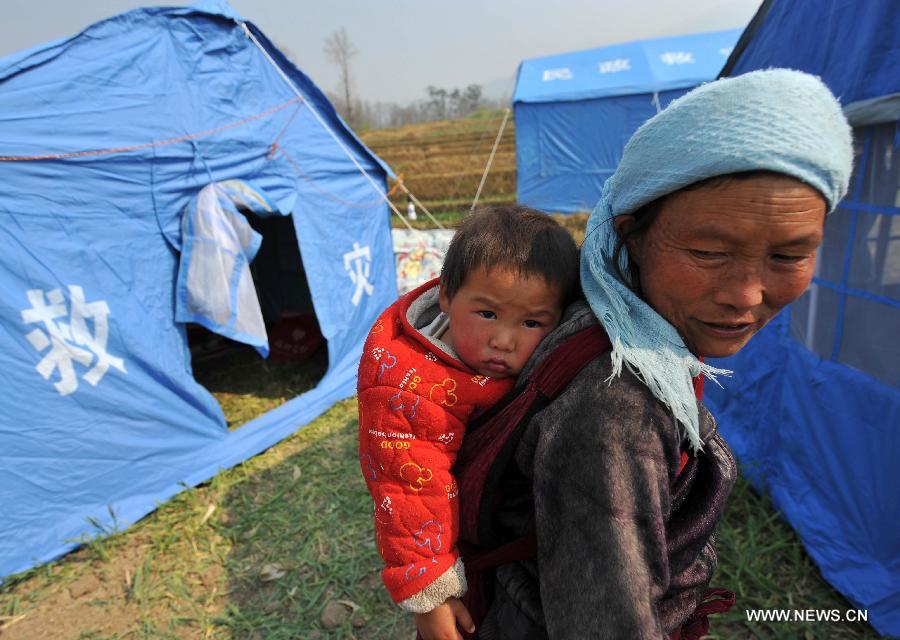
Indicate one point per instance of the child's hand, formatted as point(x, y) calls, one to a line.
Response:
point(440, 623)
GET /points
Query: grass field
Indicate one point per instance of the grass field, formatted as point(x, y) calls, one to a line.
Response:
point(281, 546)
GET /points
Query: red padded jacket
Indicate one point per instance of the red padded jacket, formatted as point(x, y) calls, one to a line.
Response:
point(414, 403)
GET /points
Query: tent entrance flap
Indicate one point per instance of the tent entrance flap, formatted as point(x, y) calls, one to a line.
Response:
point(215, 286)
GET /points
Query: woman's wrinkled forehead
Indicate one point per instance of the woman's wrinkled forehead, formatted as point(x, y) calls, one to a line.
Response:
point(716, 209)
point(790, 215)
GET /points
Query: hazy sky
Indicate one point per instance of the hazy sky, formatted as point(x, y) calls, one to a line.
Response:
point(406, 45)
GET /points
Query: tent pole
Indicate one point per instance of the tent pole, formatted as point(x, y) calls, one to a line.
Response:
point(810, 337)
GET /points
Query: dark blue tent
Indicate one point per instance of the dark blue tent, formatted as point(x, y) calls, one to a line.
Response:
point(128, 156)
point(813, 411)
point(575, 111)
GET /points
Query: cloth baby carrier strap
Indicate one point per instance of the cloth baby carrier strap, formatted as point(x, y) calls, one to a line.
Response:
point(491, 439)
point(487, 448)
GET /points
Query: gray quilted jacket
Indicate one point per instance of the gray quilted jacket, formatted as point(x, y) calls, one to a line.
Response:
point(625, 548)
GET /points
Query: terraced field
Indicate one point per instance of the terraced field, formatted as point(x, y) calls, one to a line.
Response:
point(442, 162)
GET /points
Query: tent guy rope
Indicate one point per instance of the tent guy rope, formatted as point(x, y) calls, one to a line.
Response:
point(490, 161)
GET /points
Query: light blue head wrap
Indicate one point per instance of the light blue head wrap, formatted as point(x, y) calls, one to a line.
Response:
point(776, 120)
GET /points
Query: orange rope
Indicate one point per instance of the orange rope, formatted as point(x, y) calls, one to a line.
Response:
point(274, 146)
point(156, 143)
point(397, 185)
point(273, 149)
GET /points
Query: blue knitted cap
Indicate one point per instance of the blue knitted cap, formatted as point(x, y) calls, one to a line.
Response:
point(778, 120)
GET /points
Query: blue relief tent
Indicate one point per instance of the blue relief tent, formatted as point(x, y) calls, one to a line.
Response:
point(813, 410)
point(130, 156)
point(575, 111)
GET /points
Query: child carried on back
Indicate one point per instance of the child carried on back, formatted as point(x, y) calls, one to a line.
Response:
point(435, 358)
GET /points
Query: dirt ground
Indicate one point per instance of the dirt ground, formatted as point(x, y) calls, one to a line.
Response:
point(97, 600)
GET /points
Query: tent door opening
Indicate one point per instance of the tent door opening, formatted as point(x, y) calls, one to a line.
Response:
point(283, 292)
point(245, 384)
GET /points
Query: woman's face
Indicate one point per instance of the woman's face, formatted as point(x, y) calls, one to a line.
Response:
point(721, 260)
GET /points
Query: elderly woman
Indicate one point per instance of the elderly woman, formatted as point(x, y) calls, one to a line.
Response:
point(707, 228)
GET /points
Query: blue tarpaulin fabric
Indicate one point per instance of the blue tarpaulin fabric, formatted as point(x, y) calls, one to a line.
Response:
point(574, 112)
point(565, 151)
point(853, 46)
point(813, 409)
point(107, 136)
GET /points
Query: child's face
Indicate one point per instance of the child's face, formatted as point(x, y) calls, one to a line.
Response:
point(498, 317)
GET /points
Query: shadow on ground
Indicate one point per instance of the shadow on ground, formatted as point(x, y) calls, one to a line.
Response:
point(303, 562)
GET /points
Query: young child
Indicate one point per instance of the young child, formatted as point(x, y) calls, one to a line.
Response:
point(440, 354)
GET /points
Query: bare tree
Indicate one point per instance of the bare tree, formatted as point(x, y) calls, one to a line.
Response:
point(338, 49)
point(437, 102)
point(472, 98)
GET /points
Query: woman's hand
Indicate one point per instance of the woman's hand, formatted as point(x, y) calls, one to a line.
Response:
point(440, 623)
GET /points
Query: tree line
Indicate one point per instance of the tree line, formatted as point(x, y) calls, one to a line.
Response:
point(439, 104)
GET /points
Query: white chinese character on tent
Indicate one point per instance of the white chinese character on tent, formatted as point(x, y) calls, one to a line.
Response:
point(358, 265)
point(70, 341)
point(677, 57)
point(563, 73)
point(615, 66)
